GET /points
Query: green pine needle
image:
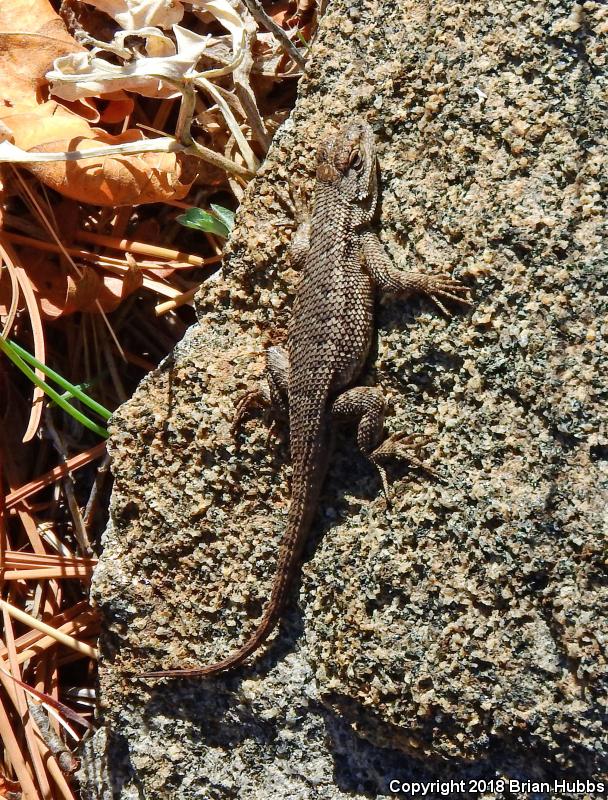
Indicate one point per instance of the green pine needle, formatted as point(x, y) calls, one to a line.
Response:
point(19, 357)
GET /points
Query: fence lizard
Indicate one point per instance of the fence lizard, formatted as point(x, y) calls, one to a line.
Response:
point(329, 336)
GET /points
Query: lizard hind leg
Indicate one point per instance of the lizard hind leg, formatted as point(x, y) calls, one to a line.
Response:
point(273, 395)
point(367, 404)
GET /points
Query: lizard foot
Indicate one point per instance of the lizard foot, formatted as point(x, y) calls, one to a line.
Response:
point(254, 398)
point(441, 286)
point(405, 447)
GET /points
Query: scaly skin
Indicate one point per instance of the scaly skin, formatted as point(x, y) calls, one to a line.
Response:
point(330, 333)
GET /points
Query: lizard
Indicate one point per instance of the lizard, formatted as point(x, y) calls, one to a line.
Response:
point(329, 336)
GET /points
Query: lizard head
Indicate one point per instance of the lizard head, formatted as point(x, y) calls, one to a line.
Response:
point(347, 162)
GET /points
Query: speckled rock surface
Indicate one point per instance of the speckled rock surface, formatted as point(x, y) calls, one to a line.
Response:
point(462, 633)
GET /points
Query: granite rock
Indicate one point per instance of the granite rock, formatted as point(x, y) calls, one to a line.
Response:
point(460, 634)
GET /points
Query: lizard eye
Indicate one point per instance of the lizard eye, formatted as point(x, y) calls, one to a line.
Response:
point(355, 161)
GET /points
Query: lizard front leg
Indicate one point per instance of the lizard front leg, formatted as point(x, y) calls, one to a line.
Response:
point(274, 394)
point(367, 405)
point(387, 277)
point(300, 241)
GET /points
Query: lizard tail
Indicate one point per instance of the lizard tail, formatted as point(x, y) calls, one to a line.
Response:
point(306, 484)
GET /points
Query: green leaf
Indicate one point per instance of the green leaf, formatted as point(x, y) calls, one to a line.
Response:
point(203, 221)
point(225, 215)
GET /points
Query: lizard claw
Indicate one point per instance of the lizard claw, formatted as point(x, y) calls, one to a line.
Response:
point(440, 286)
point(405, 447)
point(253, 398)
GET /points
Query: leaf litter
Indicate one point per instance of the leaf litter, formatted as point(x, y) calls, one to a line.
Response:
point(129, 130)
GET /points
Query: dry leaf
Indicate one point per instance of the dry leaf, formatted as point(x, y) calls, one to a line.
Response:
point(84, 74)
point(57, 292)
point(32, 36)
point(111, 108)
point(133, 14)
point(116, 288)
point(83, 290)
point(45, 127)
point(9, 789)
point(116, 106)
point(49, 281)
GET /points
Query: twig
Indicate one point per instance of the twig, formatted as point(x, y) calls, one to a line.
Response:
point(76, 462)
point(15, 755)
point(242, 85)
point(68, 487)
point(260, 16)
point(102, 474)
point(211, 157)
point(180, 300)
point(143, 248)
point(62, 638)
point(243, 145)
point(48, 573)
